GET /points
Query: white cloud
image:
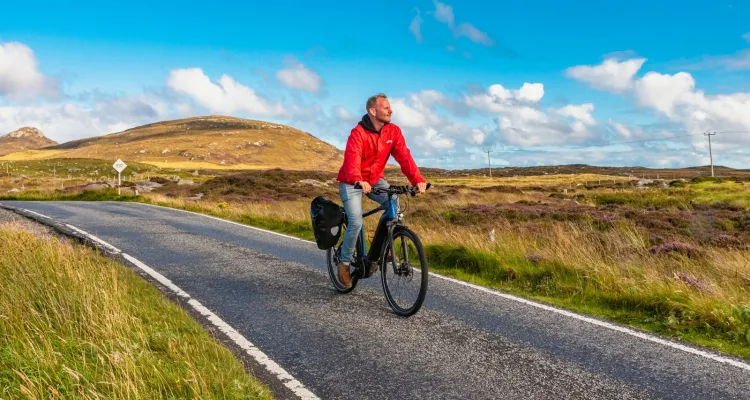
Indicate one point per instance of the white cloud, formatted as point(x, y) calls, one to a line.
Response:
point(578, 112)
point(300, 77)
point(416, 110)
point(497, 98)
point(478, 136)
point(738, 61)
point(227, 97)
point(344, 115)
point(521, 123)
point(532, 92)
point(20, 78)
point(408, 116)
point(611, 75)
point(444, 14)
point(735, 62)
point(622, 130)
point(436, 140)
point(468, 30)
point(104, 115)
point(416, 27)
point(663, 92)
point(675, 98)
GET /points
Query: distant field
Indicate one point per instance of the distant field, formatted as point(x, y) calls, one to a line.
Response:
point(29, 155)
point(552, 181)
point(670, 256)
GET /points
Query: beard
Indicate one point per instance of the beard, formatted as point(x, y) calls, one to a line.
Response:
point(384, 119)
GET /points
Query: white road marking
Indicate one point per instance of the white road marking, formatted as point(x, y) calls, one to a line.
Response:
point(94, 238)
point(36, 213)
point(159, 277)
point(546, 307)
point(288, 380)
point(280, 373)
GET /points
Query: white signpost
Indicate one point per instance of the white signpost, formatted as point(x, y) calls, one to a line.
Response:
point(119, 166)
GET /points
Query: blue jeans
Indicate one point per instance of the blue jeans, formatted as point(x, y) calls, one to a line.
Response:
point(352, 199)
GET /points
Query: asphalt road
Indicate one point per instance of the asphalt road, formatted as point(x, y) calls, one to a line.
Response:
point(464, 343)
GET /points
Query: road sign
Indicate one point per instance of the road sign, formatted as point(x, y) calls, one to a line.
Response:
point(119, 165)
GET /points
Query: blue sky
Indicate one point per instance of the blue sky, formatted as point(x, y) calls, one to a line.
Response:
point(596, 73)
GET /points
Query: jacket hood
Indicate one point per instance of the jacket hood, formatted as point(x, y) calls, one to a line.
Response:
point(366, 123)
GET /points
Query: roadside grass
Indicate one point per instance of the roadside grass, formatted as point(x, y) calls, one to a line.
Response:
point(86, 195)
point(74, 324)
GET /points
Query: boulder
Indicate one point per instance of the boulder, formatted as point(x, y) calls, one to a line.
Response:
point(313, 182)
point(97, 186)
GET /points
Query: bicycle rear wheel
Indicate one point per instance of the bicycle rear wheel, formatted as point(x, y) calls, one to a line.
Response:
point(333, 256)
point(404, 272)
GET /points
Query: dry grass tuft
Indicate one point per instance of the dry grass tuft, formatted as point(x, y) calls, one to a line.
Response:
point(76, 325)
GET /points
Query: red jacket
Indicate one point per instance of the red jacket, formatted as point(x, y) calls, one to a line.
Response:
point(367, 153)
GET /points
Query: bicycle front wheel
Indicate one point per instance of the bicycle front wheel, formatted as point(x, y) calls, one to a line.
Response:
point(404, 272)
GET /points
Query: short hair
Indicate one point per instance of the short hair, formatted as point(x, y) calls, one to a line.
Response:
point(373, 100)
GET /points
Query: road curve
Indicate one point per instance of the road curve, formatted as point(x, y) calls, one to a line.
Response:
point(464, 343)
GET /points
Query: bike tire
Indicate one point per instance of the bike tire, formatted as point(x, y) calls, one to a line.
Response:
point(386, 267)
point(333, 268)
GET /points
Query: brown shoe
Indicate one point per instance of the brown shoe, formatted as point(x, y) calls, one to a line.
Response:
point(344, 276)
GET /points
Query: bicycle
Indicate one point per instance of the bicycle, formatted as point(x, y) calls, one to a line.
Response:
point(391, 232)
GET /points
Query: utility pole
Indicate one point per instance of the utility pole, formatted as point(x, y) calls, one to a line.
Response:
point(489, 164)
point(710, 153)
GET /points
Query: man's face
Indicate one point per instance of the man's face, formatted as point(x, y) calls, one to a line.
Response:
point(383, 110)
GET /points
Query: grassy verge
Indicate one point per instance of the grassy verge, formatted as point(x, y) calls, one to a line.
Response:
point(86, 195)
point(709, 323)
point(74, 324)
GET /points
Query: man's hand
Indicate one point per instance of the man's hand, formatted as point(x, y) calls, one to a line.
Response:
point(365, 186)
point(422, 186)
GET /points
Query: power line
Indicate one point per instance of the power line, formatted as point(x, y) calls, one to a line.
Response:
point(732, 132)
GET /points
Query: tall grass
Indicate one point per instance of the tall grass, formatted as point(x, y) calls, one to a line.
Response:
point(74, 324)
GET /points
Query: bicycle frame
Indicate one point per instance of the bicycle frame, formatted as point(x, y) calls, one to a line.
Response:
point(390, 214)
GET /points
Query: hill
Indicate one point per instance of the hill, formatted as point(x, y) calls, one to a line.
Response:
point(209, 142)
point(26, 138)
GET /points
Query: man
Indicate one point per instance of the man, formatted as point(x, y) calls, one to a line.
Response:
point(368, 148)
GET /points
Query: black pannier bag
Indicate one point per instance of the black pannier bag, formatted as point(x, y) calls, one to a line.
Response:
point(327, 218)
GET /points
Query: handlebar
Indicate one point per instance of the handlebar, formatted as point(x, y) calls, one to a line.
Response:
point(412, 190)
